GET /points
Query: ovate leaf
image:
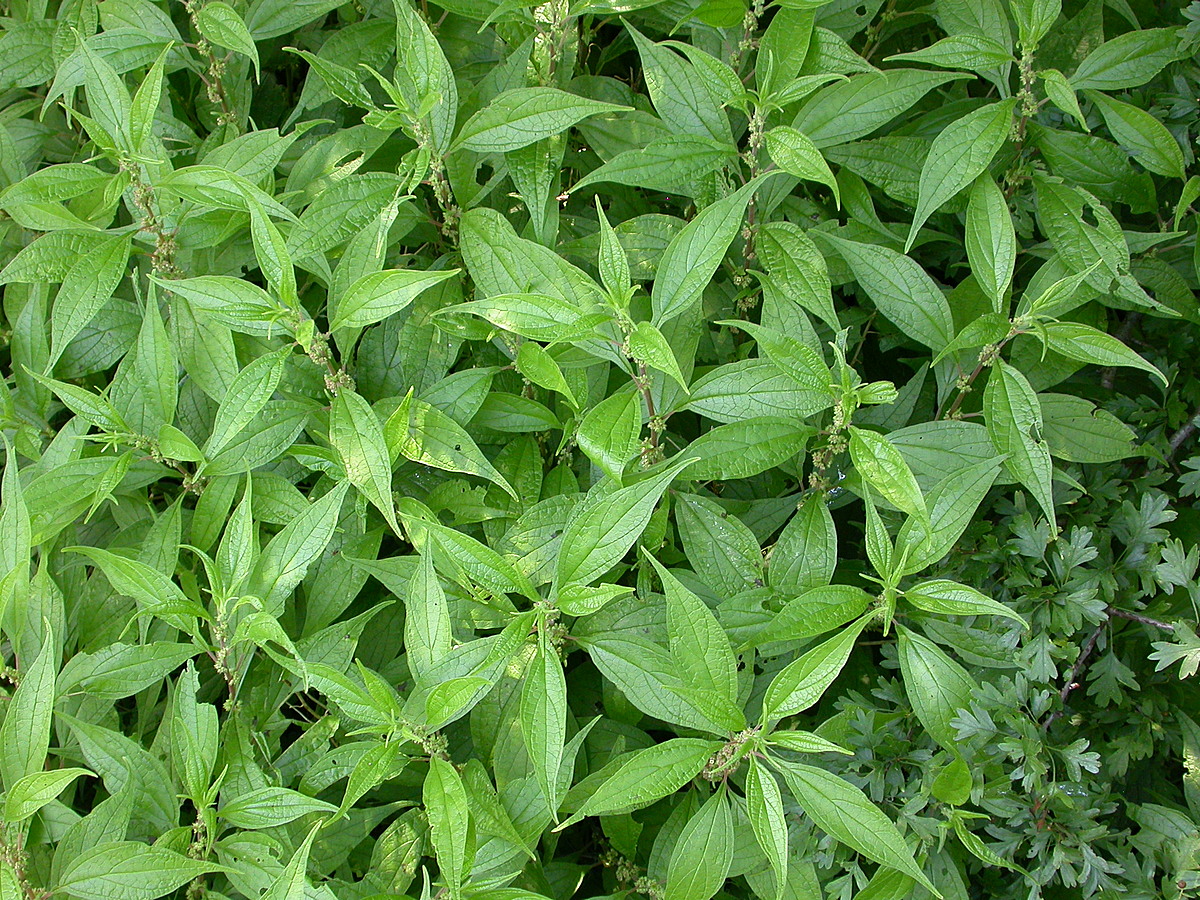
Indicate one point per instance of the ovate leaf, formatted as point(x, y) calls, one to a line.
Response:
point(357, 436)
point(522, 116)
point(991, 240)
point(378, 295)
point(1014, 423)
point(958, 156)
point(606, 524)
point(793, 152)
point(692, 257)
point(844, 813)
point(646, 776)
point(129, 870)
point(25, 734)
point(445, 802)
point(801, 683)
point(704, 852)
point(544, 717)
point(936, 685)
point(426, 435)
point(901, 289)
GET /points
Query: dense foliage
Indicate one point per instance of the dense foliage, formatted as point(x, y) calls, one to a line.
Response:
point(482, 449)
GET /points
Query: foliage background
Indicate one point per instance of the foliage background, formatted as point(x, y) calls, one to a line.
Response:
point(473, 449)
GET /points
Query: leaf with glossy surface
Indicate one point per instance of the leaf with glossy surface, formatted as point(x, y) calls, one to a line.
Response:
point(844, 813)
point(1014, 423)
point(607, 523)
point(959, 155)
point(523, 116)
point(692, 257)
point(901, 290)
point(426, 435)
point(703, 854)
point(357, 436)
point(445, 801)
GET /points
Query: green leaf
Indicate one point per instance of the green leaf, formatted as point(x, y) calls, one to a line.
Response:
point(1014, 423)
point(539, 317)
point(674, 163)
point(286, 558)
point(647, 344)
point(805, 742)
point(1090, 345)
point(698, 643)
point(445, 802)
point(270, 807)
point(805, 554)
point(608, 432)
point(16, 536)
point(1128, 60)
point(954, 599)
point(801, 362)
point(34, 791)
point(108, 98)
point(793, 152)
point(747, 448)
point(341, 81)
point(960, 154)
point(427, 628)
point(130, 870)
point(884, 469)
point(1062, 94)
point(815, 612)
point(844, 813)
point(801, 683)
point(1078, 431)
point(154, 592)
point(646, 776)
point(1141, 135)
point(723, 551)
point(25, 733)
point(87, 285)
point(960, 51)
point(540, 367)
point(754, 388)
point(234, 303)
point(937, 687)
point(377, 295)
point(522, 116)
point(121, 670)
point(424, 75)
point(194, 734)
point(679, 93)
point(953, 784)
point(691, 259)
point(853, 108)
point(463, 558)
point(357, 436)
point(544, 717)
point(981, 851)
point(1034, 19)
point(428, 436)
point(991, 240)
point(607, 523)
point(951, 504)
point(703, 854)
point(798, 267)
point(292, 882)
point(900, 289)
point(271, 18)
point(764, 808)
point(220, 23)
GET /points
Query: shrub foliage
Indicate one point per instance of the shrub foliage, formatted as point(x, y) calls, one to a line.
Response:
point(490, 450)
